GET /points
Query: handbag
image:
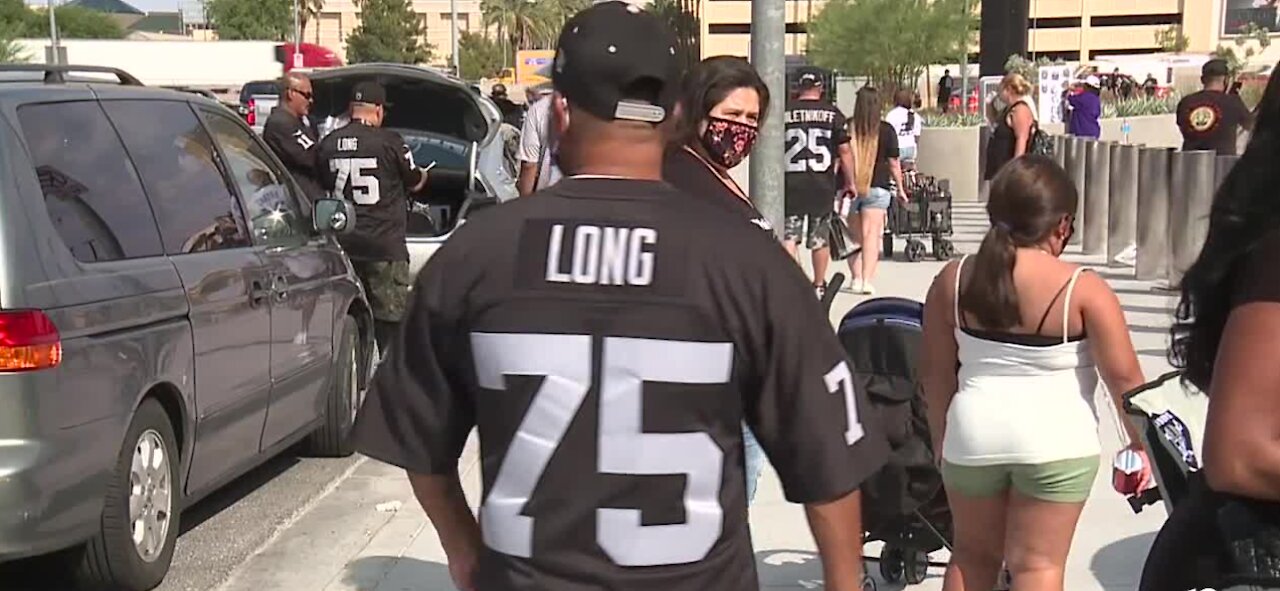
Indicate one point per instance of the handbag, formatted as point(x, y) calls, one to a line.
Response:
point(1040, 143)
point(838, 237)
point(1250, 536)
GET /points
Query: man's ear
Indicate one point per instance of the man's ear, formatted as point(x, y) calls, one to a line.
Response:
point(559, 114)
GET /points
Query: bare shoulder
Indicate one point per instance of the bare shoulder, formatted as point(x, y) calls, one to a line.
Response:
point(944, 282)
point(1092, 287)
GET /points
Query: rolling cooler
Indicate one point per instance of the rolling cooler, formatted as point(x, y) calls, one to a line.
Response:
point(927, 216)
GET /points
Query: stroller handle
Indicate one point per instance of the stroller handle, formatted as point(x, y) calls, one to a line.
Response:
point(1144, 499)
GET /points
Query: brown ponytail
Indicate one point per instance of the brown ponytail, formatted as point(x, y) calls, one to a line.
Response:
point(1029, 198)
point(989, 294)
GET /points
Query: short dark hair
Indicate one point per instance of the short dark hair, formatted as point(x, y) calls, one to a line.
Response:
point(707, 84)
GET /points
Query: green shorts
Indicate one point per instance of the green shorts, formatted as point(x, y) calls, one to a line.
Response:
point(1063, 481)
point(386, 284)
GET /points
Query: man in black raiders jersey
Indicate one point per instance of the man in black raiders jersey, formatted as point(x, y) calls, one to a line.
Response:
point(816, 136)
point(607, 337)
point(373, 168)
point(290, 134)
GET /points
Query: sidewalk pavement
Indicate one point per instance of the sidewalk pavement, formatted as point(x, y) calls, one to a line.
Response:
point(369, 534)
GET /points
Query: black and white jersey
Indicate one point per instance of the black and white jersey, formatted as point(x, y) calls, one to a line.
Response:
point(815, 130)
point(607, 338)
point(294, 142)
point(373, 168)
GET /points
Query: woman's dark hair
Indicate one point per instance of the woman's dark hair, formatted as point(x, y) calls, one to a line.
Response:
point(707, 84)
point(1029, 198)
point(1093, 89)
point(1245, 210)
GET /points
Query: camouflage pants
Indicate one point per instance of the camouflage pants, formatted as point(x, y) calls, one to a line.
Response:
point(386, 284)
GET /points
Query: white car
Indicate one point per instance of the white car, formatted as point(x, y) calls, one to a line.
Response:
point(443, 121)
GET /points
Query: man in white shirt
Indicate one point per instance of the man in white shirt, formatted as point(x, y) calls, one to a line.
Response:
point(537, 163)
point(907, 123)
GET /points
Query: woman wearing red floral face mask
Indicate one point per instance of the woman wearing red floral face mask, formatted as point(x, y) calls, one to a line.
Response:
point(722, 103)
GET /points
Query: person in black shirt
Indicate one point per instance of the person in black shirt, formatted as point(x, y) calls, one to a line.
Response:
point(816, 138)
point(607, 337)
point(291, 136)
point(1211, 119)
point(721, 105)
point(946, 87)
point(512, 114)
point(373, 168)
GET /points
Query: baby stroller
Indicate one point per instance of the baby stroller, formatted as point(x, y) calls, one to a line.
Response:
point(903, 505)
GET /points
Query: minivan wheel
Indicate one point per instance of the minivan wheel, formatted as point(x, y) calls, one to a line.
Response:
point(134, 545)
point(333, 438)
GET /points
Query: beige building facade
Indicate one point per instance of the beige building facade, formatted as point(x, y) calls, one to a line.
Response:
point(1070, 29)
point(339, 18)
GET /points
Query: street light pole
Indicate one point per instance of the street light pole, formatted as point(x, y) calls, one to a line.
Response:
point(768, 34)
point(297, 34)
point(54, 58)
point(453, 35)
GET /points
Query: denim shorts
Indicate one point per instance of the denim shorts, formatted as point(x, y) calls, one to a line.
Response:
point(878, 198)
point(907, 154)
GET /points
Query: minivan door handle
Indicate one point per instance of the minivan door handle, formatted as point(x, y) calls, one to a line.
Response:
point(259, 293)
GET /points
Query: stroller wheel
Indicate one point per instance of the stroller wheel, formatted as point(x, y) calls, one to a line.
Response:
point(915, 251)
point(868, 583)
point(892, 568)
point(916, 568)
point(943, 249)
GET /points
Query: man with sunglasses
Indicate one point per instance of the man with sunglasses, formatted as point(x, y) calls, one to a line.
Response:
point(290, 134)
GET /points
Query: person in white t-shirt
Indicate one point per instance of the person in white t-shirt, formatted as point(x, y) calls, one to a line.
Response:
point(907, 123)
point(537, 164)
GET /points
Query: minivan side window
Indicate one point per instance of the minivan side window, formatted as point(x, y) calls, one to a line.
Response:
point(176, 159)
point(274, 214)
point(90, 188)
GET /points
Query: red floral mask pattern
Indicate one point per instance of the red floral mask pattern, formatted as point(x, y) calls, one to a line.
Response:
point(727, 142)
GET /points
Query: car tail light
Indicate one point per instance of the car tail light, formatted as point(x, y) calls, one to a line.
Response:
point(252, 116)
point(28, 341)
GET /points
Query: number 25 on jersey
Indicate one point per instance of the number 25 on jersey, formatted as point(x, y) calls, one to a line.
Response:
point(564, 361)
point(809, 150)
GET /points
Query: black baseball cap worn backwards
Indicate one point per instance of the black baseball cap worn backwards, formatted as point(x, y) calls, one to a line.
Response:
point(369, 93)
point(617, 61)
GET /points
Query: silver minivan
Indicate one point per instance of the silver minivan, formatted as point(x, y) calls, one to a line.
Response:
point(173, 312)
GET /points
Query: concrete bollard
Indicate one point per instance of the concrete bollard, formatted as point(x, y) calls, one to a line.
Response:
point(1060, 150)
point(1222, 167)
point(1191, 194)
point(1096, 197)
point(1122, 213)
point(984, 139)
point(1153, 213)
point(1075, 165)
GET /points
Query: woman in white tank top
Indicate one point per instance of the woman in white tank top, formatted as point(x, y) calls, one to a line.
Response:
point(1015, 423)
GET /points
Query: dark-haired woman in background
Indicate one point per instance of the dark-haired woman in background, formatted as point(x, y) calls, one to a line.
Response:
point(1016, 423)
point(1224, 339)
point(722, 102)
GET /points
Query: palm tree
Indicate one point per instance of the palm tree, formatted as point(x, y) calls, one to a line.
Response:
point(310, 10)
point(519, 22)
point(682, 23)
